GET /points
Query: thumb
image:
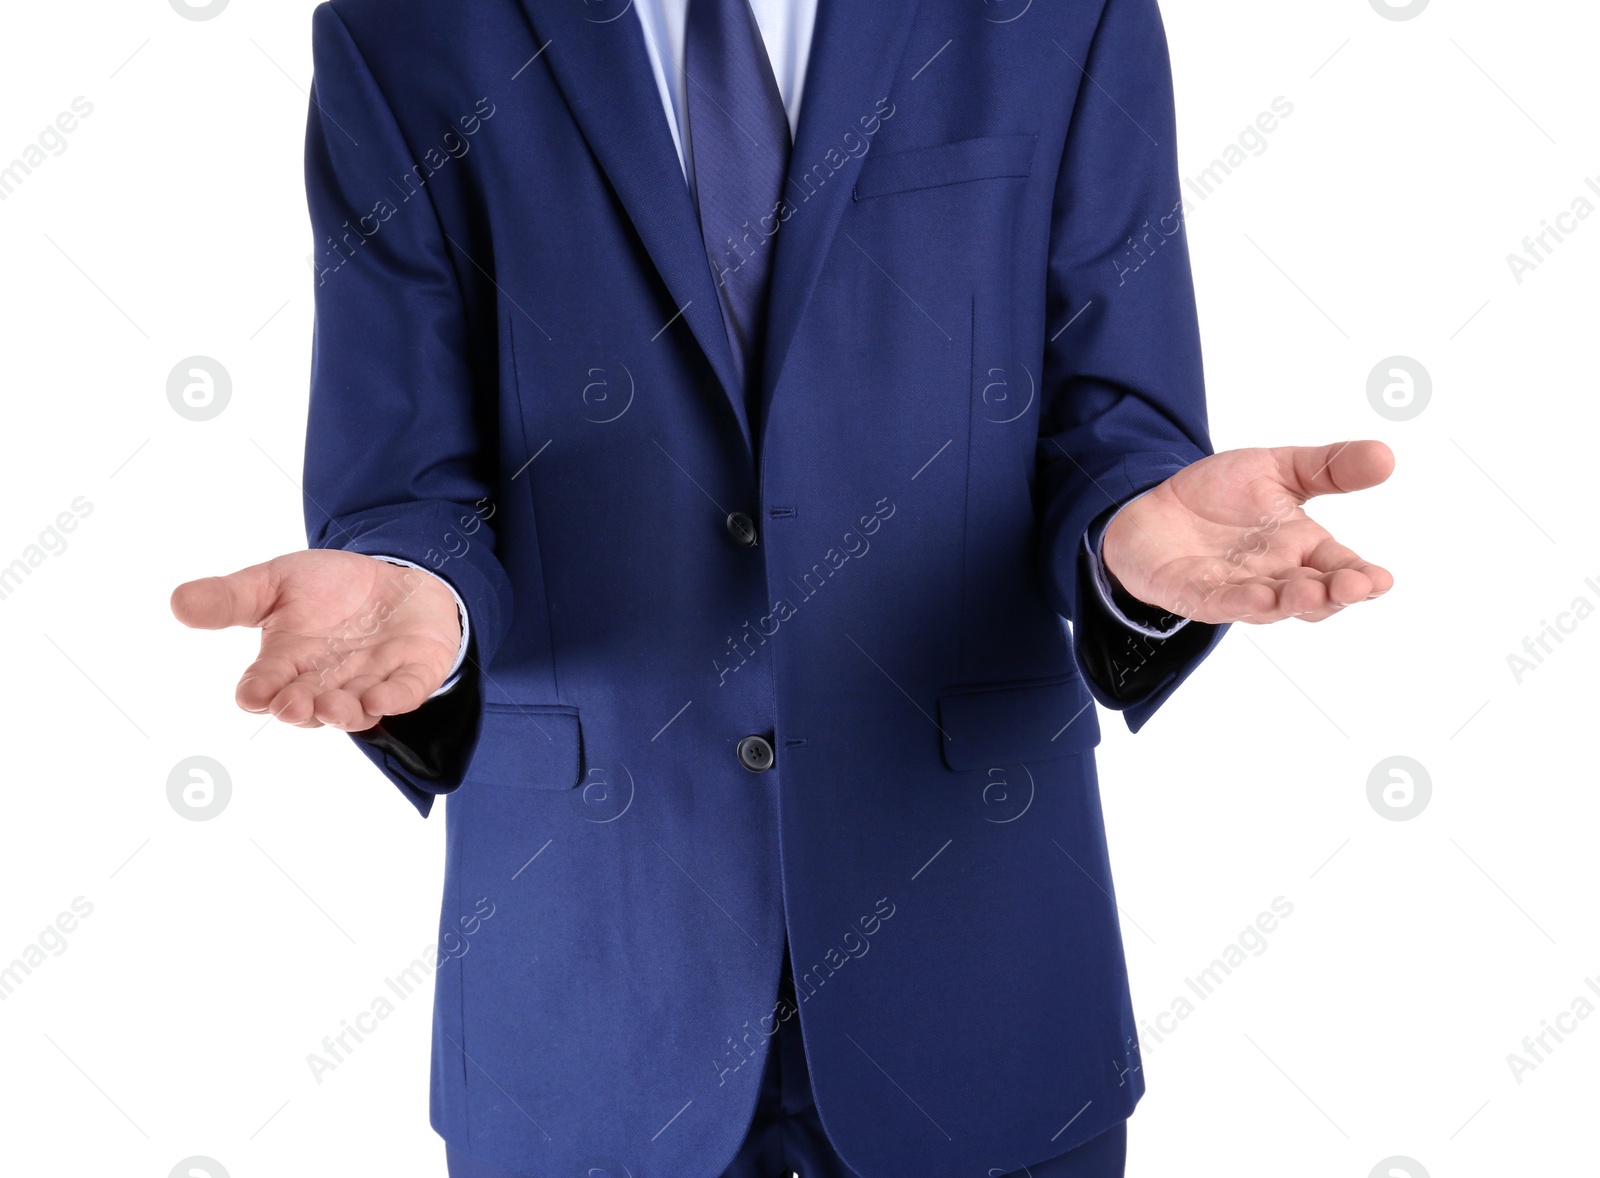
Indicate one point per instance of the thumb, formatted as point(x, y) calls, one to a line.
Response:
point(1308, 471)
point(244, 598)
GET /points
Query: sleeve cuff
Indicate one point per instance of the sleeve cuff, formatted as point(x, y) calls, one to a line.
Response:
point(455, 668)
point(1149, 620)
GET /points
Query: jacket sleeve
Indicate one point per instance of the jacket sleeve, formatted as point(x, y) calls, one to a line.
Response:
point(399, 447)
point(1124, 387)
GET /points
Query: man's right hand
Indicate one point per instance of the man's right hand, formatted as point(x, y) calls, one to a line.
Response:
point(346, 639)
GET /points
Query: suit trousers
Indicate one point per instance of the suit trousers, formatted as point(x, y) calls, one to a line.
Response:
point(785, 1137)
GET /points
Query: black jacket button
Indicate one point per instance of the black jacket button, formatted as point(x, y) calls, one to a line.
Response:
point(755, 754)
point(742, 528)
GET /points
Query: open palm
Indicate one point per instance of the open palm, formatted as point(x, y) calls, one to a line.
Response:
point(1227, 539)
point(345, 639)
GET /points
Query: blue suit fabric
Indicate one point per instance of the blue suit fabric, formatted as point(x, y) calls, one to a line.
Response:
point(981, 339)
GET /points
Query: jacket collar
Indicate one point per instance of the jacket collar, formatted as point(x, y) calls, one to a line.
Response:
point(596, 54)
point(855, 52)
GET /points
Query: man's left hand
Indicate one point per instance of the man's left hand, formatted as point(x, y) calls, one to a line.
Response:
point(1227, 539)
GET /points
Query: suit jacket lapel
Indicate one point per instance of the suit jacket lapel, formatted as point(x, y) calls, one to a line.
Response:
point(855, 51)
point(597, 56)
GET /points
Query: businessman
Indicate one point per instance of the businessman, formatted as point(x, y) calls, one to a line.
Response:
point(746, 437)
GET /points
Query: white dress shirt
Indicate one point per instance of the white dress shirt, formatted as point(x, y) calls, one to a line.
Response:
point(786, 28)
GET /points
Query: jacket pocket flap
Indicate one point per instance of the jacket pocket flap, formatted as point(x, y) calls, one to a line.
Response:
point(528, 746)
point(986, 726)
point(945, 163)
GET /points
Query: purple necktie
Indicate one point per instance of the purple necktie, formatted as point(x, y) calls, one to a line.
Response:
point(739, 140)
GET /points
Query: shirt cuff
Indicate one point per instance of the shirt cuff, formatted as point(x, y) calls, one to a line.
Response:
point(1157, 623)
point(461, 608)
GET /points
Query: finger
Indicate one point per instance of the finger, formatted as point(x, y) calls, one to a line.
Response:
point(341, 708)
point(1348, 586)
point(262, 680)
point(1321, 615)
point(1263, 600)
point(283, 660)
point(1330, 557)
point(1302, 595)
point(1308, 471)
point(1320, 596)
point(1271, 599)
point(243, 598)
point(296, 704)
point(1233, 602)
point(405, 690)
point(359, 683)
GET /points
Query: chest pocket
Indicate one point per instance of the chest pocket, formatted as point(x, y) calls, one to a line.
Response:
point(942, 164)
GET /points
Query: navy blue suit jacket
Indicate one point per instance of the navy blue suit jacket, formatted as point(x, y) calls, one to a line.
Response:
point(982, 339)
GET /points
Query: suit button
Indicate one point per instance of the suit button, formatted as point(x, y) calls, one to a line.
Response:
point(742, 528)
point(755, 754)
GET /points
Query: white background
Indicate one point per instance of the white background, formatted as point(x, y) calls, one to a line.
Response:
point(1377, 1021)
